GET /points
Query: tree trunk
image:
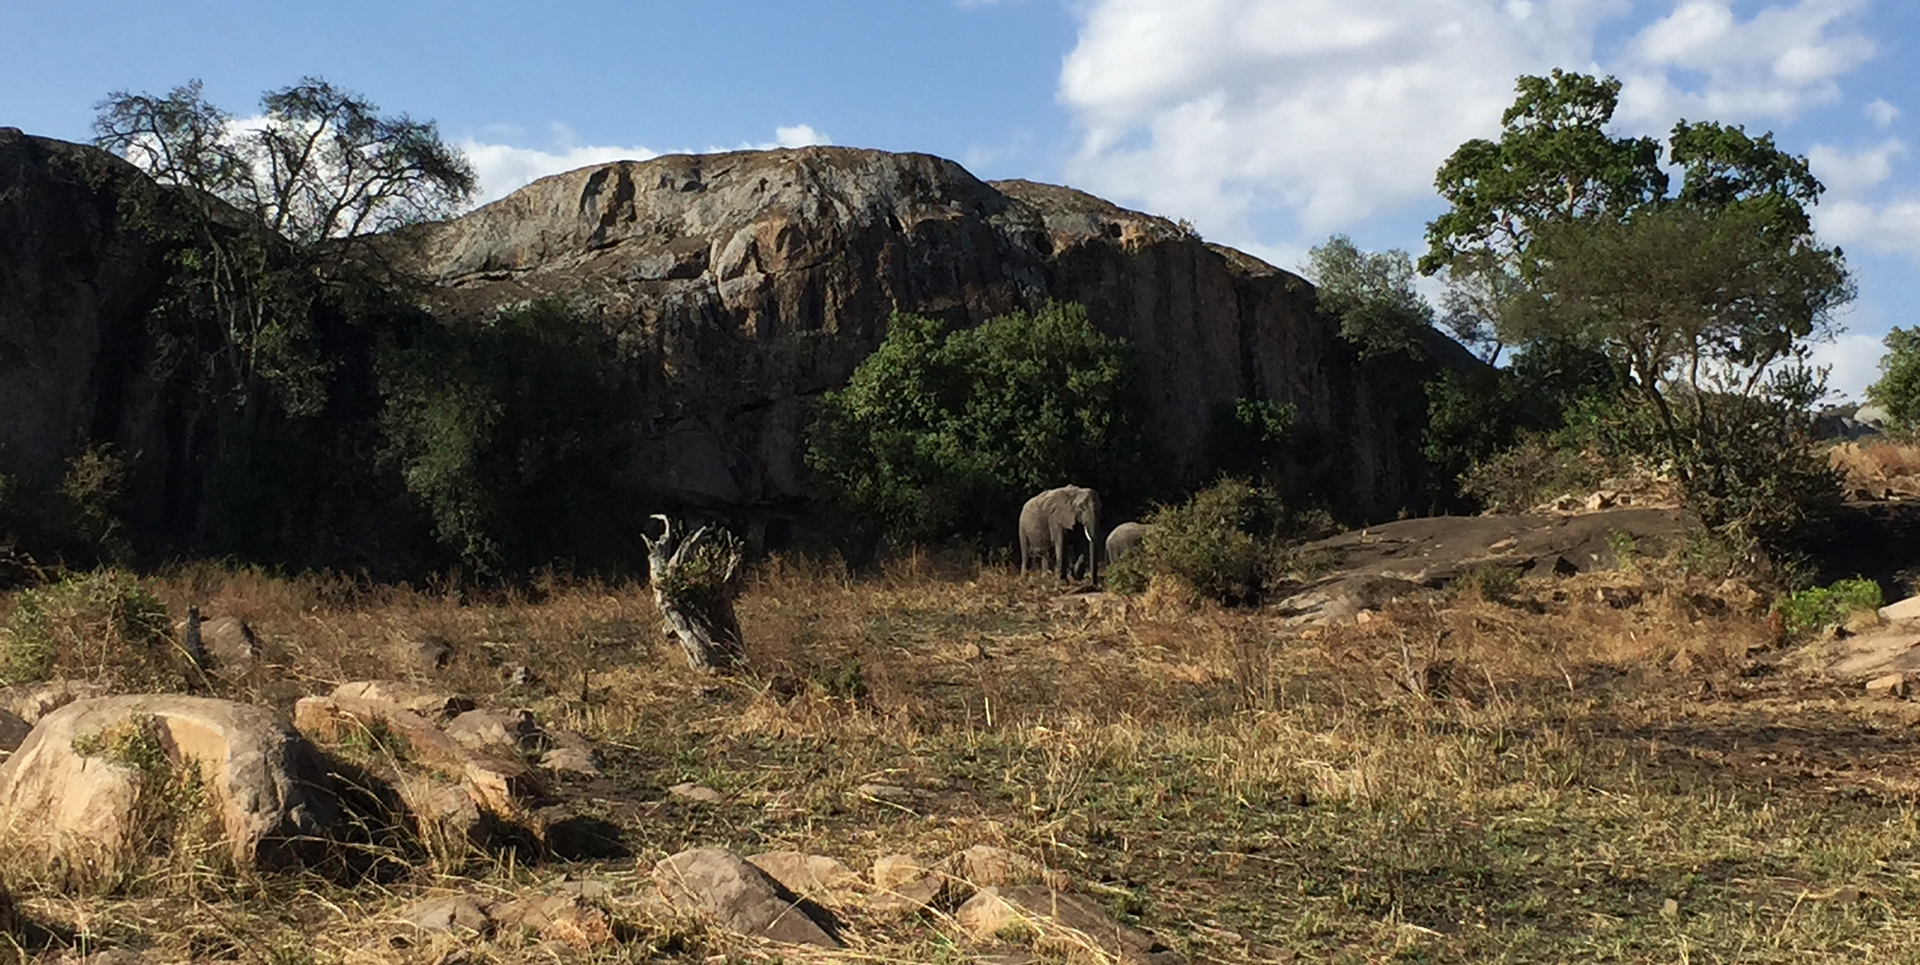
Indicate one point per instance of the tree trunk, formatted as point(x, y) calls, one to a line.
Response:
point(695, 580)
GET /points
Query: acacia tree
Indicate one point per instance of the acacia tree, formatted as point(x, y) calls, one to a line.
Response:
point(1706, 300)
point(318, 168)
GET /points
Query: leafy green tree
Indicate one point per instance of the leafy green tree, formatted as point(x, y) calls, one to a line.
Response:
point(1372, 295)
point(510, 435)
point(1898, 388)
point(1704, 301)
point(944, 432)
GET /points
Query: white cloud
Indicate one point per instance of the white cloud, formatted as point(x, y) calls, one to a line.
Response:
point(1894, 226)
point(1882, 113)
point(1335, 111)
point(1852, 362)
point(1846, 174)
point(1785, 59)
point(506, 168)
point(1332, 109)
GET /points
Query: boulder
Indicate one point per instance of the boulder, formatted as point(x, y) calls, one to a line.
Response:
point(496, 783)
point(985, 866)
point(1901, 611)
point(495, 728)
point(425, 701)
point(1892, 686)
point(226, 642)
point(30, 702)
point(13, 730)
point(1063, 923)
point(71, 794)
point(446, 914)
point(570, 754)
point(806, 875)
point(562, 918)
point(905, 885)
point(740, 897)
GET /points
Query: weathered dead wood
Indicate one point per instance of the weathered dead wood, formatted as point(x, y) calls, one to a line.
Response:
point(695, 579)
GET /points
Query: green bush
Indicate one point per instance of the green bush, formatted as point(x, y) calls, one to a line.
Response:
point(1898, 388)
point(1228, 543)
point(105, 625)
point(1823, 606)
point(510, 435)
point(945, 432)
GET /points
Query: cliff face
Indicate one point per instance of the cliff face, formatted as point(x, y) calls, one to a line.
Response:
point(738, 288)
point(75, 282)
point(741, 286)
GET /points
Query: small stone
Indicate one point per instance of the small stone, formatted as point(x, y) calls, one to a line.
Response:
point(1892, 686)
point(425, 701)
point(741, 897)
point(13, 730)
point(1065, 923)
point(1670, 909)
point(889, 793)
point(1907, 609)
point(446, 914)
point(568, 758)
point(697, 793)
point(891, 871)
point(427, 653)
point(592, 889)
point(494, 728)
point(806, 875)
point(561, 918)
point(985, 866)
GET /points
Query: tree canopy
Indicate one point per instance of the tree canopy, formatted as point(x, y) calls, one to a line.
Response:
point(1372, 295)
point(1705, 299)
point(944, 432)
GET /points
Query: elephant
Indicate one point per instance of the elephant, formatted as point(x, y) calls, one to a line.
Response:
point(1047, 518)
point(1124, 539)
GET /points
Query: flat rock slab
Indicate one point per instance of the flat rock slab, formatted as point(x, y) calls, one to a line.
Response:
point(806, 875)
point(426, 701)
point(1891, 649)
point(1373, 565)
point(1064, 923)
point(265, 782)
point(740, 897)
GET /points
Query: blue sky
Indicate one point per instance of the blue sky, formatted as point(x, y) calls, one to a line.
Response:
point(1268, 123)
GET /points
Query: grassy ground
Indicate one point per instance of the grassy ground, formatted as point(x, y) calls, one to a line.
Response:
point(1597, 769)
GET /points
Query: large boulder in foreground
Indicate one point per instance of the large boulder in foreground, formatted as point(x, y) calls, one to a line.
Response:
point(98, 779)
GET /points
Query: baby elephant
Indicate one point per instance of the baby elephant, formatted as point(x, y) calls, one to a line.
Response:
point(1124, 538)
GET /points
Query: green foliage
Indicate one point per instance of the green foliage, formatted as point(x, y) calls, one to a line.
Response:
point(1703, 303)
point(104, 625)
point(945, 432)
point(1511, 438)
point(1898, 388)
point(1252, 437)
point(95, 491)
point(1228, 543)
point(1372, 295)
point(1819, 607)
point(509, 433)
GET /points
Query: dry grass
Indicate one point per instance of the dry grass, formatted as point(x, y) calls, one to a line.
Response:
point(1880, 469)
point(1618, 767)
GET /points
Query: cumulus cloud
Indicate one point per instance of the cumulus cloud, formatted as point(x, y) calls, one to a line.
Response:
point(1882, 114)
point(1331, 109)
point(1852, 362)
point(1893, 226)
point(506, 168)
point(1786, 58)
point(1335, 111)
point(1848, 174)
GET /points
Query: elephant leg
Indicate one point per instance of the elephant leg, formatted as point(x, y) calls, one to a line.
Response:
point(1026, 550)
point(1059, 553)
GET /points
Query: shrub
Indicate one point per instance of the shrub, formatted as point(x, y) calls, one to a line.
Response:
point(1898, 388)
point(509, 433)
point(1823, 606)
point(1228, 543)
point(105, 625)
point(944, 432)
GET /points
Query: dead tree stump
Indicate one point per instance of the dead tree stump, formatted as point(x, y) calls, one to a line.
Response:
point(695, 579)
